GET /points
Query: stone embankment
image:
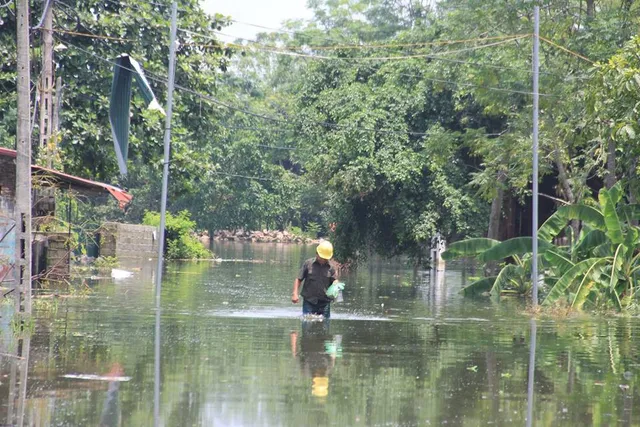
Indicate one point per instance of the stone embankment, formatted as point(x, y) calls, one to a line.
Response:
point(264, 236)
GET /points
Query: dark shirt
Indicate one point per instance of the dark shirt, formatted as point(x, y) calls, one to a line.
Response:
point(317, 279)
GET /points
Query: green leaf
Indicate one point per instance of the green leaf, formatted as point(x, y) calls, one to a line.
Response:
point(553, 226)
point(558, 261)
point(591, 240)
point(468, 248)
point(504, 277)
point(616, 266)
point(612, 222)
point(629, 212)
point(511, 247)
point(583, 292)
point(565, 282)
point(479, 286)
point(585, 213)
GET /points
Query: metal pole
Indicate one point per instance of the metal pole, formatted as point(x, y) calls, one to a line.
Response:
point(534, 225)
point(532, 367)
point(167, 144)
point(23, 164)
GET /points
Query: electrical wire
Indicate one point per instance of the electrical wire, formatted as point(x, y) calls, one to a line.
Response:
point(428, 56)
point(569, 51)
point(7, 4)
point(385, 58)
point(92, 35)
point(260, 115)
point(369, 46)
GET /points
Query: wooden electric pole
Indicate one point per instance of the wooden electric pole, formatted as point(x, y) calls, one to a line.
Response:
point(46, 86)
point(23, 164)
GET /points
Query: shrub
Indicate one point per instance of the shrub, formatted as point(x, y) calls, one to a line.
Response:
point(180, 241)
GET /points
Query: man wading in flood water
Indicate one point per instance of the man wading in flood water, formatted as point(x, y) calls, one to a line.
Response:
point(317, 275)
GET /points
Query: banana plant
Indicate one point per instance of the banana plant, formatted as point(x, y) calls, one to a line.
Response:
point(599, 268)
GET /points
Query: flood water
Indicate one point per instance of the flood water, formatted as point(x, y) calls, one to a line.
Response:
point(403, 349)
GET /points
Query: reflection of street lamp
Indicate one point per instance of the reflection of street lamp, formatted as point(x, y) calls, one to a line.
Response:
point(532, 366)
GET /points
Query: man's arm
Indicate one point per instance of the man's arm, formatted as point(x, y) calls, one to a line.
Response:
point(296, 286)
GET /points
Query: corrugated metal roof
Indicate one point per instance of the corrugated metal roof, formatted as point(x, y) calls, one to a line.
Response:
point(120, 195)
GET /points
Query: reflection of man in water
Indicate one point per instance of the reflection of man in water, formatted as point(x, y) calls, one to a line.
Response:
point(111, 413)
point(317, 355)
point(317, 274)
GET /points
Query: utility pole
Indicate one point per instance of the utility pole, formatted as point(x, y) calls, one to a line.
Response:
point(23, 164)
point(46, 84)
point(163, 208)
point(534, 222)
point(167, 144)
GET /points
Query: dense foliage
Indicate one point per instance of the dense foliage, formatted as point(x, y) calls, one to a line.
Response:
point(362, 118)
point(181, 243)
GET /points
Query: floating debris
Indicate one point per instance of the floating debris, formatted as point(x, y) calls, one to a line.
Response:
point(92, 377)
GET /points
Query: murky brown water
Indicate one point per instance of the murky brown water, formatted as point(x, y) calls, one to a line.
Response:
point(403, 349)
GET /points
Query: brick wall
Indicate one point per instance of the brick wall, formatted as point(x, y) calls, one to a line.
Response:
point(128, 240)
point(54, 248)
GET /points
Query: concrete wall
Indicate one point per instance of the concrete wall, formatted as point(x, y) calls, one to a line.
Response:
point(128, 241)
point(54, 248)
point(7, 216)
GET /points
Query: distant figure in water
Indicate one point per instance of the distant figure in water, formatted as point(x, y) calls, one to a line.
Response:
point(317, 274)
point(317, 354)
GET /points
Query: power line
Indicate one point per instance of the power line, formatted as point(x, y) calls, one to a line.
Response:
point(260, 115)
point(426, 56)
point(499, 89)
point(385, 58)
point(569, 51)
point(368, 46)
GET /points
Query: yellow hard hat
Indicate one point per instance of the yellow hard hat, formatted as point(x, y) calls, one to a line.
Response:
point(325, 249)
point(320, 387)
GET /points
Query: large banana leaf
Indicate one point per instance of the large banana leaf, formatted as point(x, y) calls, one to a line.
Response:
point(629, 212)
point(468, 248)
point(611, 219)
point(591, 240)
point(585, 213)
point(553, 226)
point(583, 293)
point(504, 278)
point(479, 286)
point(511, 247)
point(615, 193)
point(559, 262)
point(616, 266)
point(578, 271)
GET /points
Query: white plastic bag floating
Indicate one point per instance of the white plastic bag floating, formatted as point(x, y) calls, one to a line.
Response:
point(120, 274)
point(92, 377)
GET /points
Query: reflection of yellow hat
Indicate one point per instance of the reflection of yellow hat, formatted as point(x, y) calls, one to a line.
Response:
point(320, 387)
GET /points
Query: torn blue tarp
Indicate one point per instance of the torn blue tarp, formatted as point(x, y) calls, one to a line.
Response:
point(121, 101)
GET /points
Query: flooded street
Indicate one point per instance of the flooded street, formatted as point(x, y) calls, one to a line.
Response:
point(403, 349)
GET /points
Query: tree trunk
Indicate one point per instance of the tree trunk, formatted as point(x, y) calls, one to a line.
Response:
point(591, 8)
point(567, 191)
point(494, 220)
point(610, 178)
point(496, 210)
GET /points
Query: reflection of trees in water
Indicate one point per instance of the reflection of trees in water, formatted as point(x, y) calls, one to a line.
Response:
point(241, 370)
